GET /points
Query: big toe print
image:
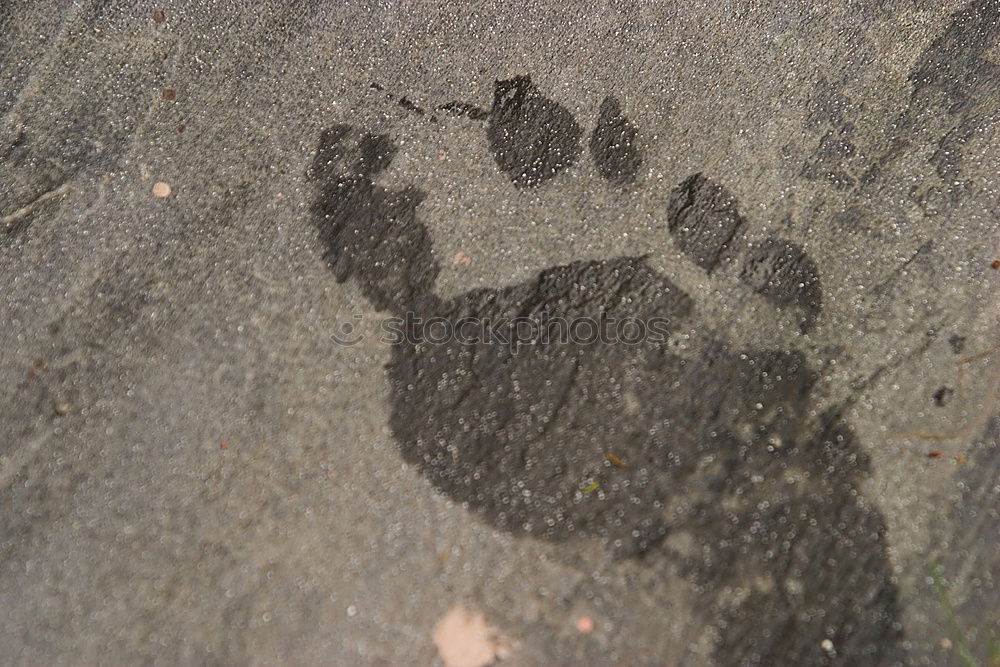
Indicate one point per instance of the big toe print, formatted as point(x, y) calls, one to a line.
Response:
point(532, 137)
point(716, 461)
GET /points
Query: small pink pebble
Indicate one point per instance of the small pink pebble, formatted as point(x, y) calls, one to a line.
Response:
point(161, 190)
point(461, 259)
point(585, 624)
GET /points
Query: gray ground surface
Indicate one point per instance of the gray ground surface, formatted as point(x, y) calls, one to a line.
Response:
point(192, 470)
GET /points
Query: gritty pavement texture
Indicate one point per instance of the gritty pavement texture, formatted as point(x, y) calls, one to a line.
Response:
point(210, 453)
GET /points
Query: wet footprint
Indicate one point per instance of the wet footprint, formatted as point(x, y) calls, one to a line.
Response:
point(547, 414)
point(532, 137)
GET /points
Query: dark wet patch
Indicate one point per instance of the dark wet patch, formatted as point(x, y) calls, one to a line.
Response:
point(403, 101)
point(955, 92)
point(827, 159)
point(969, 560)
point(465, 109)
point(828, 110)
point(726, 473)
point(532, 137)
point(943, 396)
point(828, 106)
point(784, 274)
point(703, 220)
point(953, 75)
point(957, 343)
point(409, 105)
point(854, 219)
point(614, 145)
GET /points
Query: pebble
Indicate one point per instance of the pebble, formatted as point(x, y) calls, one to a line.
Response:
point(161, 190)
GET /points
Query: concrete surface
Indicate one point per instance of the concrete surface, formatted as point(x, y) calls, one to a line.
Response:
point(194, 471)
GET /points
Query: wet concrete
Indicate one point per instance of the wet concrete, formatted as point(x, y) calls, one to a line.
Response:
point(212, 453)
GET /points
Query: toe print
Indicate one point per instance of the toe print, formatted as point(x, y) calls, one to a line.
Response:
point(613, 144)
point(704, 221)
point(714, 462)
point(784, 274)
point(532, 137)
